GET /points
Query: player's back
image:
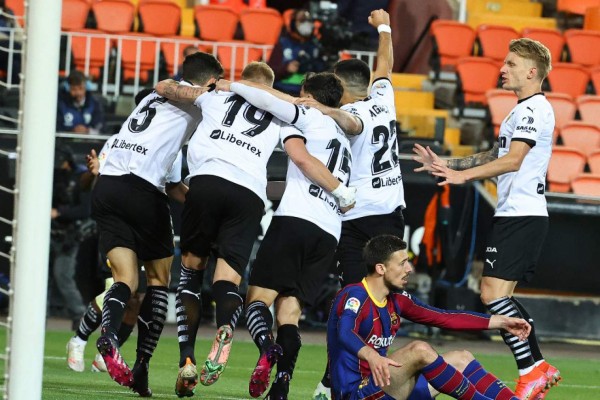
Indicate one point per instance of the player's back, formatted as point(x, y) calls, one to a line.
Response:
point(376, 169)
point(302, 198)
point(150, 139)
point(233, 141)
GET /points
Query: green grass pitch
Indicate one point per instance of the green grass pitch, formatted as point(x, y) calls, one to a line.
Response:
point(581, 376)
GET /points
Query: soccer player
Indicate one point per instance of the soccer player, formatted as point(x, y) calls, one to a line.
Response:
point(519, 159)
point(363, 323)
point(376, 169)
point(299, 246)
point(133, 216)
point(227, 158)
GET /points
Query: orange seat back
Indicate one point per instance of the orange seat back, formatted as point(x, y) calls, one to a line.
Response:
point(160, 18)
point(74, 14)
point(217, 23)
point(591, 20)
point(261, 26)
point(551, 38)
point(589, 109)
point(173, 52)
point(97, 47)
point(581, 135)
point(18, 8)
point(500, 103)
point(565, 164)
point(586, 185)
point(453, 40)
point(477, 76)
point(576, 6)
point(568, 78)
point(594, 161)
point(114, 16)
point(564, 108)
point(494, 40)
point(235, 5)
point(130, 48)
point(234, 59)
point(580, 44)
point(595, 76)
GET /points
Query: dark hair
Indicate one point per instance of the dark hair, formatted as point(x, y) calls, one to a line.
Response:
point(199, 67)
point(62, 153)
point(76, 78)
point(141, 94)
point(355, 73)
point(380, 248)
point(325, 87)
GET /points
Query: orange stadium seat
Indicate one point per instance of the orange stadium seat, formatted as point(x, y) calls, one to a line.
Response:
point(576, 6)
point(241, 56)
point(565, 164)
point(569, 78)
point(594, 161)
point(477, 75)
point(74, 14)
point(551, 38)
point(564, 109)
point(18, 8)
point(591, 20)
point(589, 109)
point(160, 18)
point(500, 103)
point(98, 48)
point(494, 41)
point(236, 5)
point(586, 185)
point(216, 23)
point(129, 51)
point(452, 41)
point(595, 76)
point(173, 51)
point(114, 16)
point(261, 25)
point(581, 135)
point(579, 44)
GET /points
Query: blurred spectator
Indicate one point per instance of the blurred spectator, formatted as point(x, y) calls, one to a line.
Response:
point(7, 22)
point(357, 12)
point(296, 53)
point(70, 224)
point(186, 52)
point(78, 110)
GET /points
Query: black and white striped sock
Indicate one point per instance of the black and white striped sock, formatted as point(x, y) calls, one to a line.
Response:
point(151, 319)
point(90, 321)
point(188, 306)
point(115, 300)
point(259, 322)
point(521, 350)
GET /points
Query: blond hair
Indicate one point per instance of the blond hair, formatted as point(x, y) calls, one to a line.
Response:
point(535, 51)
point(259, 72)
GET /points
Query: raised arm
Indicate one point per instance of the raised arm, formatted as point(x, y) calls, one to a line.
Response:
point(380, 20)
point(172, 90)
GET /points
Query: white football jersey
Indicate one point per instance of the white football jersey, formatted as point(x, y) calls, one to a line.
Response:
point(149, 140)
point(173, 175)
point(376, 170)
point(234, 141)
point(302, 198)
point(521, 193)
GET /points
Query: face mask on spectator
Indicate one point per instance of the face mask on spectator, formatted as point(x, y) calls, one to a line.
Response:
point(305, 28)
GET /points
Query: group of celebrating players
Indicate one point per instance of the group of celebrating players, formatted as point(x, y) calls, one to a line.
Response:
point(342, 203)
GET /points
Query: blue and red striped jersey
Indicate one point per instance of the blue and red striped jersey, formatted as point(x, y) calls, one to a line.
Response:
point(357, 320)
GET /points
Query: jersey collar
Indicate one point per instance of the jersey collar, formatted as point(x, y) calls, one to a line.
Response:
point(527, 98)
point(379, 304)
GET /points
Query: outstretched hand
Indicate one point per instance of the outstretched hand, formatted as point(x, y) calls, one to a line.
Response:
point(449, 175)
point(515, 326)
point(427, 157)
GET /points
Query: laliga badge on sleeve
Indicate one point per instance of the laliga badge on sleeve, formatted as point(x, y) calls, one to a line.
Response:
point(352, 304)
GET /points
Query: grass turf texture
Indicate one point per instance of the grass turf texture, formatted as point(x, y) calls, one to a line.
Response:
point(581, 376)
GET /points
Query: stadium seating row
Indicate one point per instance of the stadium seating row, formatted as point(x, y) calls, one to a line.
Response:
point(454, 40)
point(566, 171)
